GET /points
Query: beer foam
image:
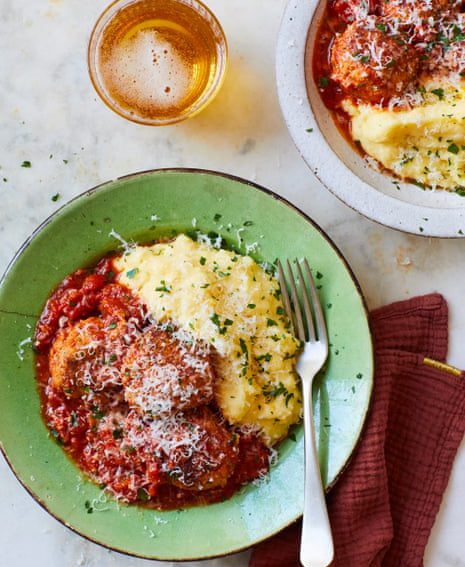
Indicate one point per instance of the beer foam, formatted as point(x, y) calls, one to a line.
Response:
point(147, 71)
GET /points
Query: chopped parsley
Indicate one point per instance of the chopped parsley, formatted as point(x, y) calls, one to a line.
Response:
point(217, 217)
point(271, 323)
point(56, 197)
point(131, 273)
point(163, 287)
point(117, 433)
point(142, 495)
point(309, 130)
point(26, 163)
point(453, 149)
point(324, 82)
point(251, 305)
point(439, 93)
point(202, 260)
point(88, 507)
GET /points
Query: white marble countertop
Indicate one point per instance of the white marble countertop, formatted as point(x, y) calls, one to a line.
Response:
point(50, 115)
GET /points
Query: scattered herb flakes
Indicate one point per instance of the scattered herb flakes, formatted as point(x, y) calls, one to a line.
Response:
point(460, 231)
point(132, 273)
point(56, 197)
point(117, 433)
point(381, 27)
point(359, 376)
point(323, 82)
point(248, 223)
point(271, 391)
point(271, 323)
point(163, 287)
point(5, 179)
point(421, 229)
point(453, 149)
point(217, 217)
point(65, 161)
point(97, 412)
point(353, 389)
point(112, 326)
point(460, 191)
point(251, 305)
point(142, 495)
point(292, 437)
point(309, 130)
point(202, 260)
point(439, 93)
point(88, 507)
point(318, 275)
point(26, 163)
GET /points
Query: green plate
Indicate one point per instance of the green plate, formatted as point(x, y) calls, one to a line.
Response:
point(77, 235)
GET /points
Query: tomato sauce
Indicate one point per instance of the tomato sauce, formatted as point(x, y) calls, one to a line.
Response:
point(90, 420)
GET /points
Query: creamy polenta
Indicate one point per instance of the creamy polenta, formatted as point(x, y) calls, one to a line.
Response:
point(230, 302)
point(425, 143)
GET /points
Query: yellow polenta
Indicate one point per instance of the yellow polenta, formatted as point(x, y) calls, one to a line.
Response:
point(425, 143)
point(229, 301)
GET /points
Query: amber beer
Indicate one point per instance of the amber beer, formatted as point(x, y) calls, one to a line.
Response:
point(157, 61)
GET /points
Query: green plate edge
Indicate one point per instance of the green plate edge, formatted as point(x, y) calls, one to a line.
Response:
point(77, 234)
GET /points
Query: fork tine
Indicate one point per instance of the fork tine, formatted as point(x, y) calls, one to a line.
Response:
point(285, 295)
point(306, 301)
point(296, 304)
point(319, 317)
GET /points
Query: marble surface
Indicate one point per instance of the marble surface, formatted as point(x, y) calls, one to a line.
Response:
point(50, 116)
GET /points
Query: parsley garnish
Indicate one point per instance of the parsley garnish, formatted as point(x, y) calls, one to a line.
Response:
point(117, 433)
point(439, 93)
point(88, 507)
point(271, 323)
point(131, 273)
point(202, 260)
point(324, 82)
point(163, 287)
point(142, 495)
point(453, 149)
point(26, 164)
point(56, 197)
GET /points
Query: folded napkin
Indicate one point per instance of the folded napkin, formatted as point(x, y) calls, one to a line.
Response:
point(384, 506)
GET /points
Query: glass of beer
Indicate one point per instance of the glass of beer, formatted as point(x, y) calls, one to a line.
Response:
point(157, 62)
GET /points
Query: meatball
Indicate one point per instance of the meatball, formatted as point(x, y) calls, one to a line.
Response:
point(371, 65)
point(163, 373)
point(196, 451)
point(350, 10)
point(416, 17)
point(88, 354)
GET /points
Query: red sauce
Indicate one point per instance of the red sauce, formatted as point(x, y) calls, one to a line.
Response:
point(333, 21)
point(91, 423)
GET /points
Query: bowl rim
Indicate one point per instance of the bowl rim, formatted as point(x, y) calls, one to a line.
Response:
point(273, 195)
point(299, 116)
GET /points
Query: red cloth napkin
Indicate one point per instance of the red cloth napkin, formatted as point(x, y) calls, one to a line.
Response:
point(384, 506)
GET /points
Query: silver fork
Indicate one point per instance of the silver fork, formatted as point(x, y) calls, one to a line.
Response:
point(316, 549)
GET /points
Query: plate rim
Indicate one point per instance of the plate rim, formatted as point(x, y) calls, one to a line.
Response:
point(367, 200)
point(275, 196)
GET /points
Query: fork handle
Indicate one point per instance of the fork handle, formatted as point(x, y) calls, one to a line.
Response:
point(316, 548)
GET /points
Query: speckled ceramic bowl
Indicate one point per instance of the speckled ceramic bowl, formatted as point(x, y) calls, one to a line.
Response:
point(330, 156)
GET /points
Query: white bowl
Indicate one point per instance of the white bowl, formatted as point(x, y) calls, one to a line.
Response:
point(331, 157)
